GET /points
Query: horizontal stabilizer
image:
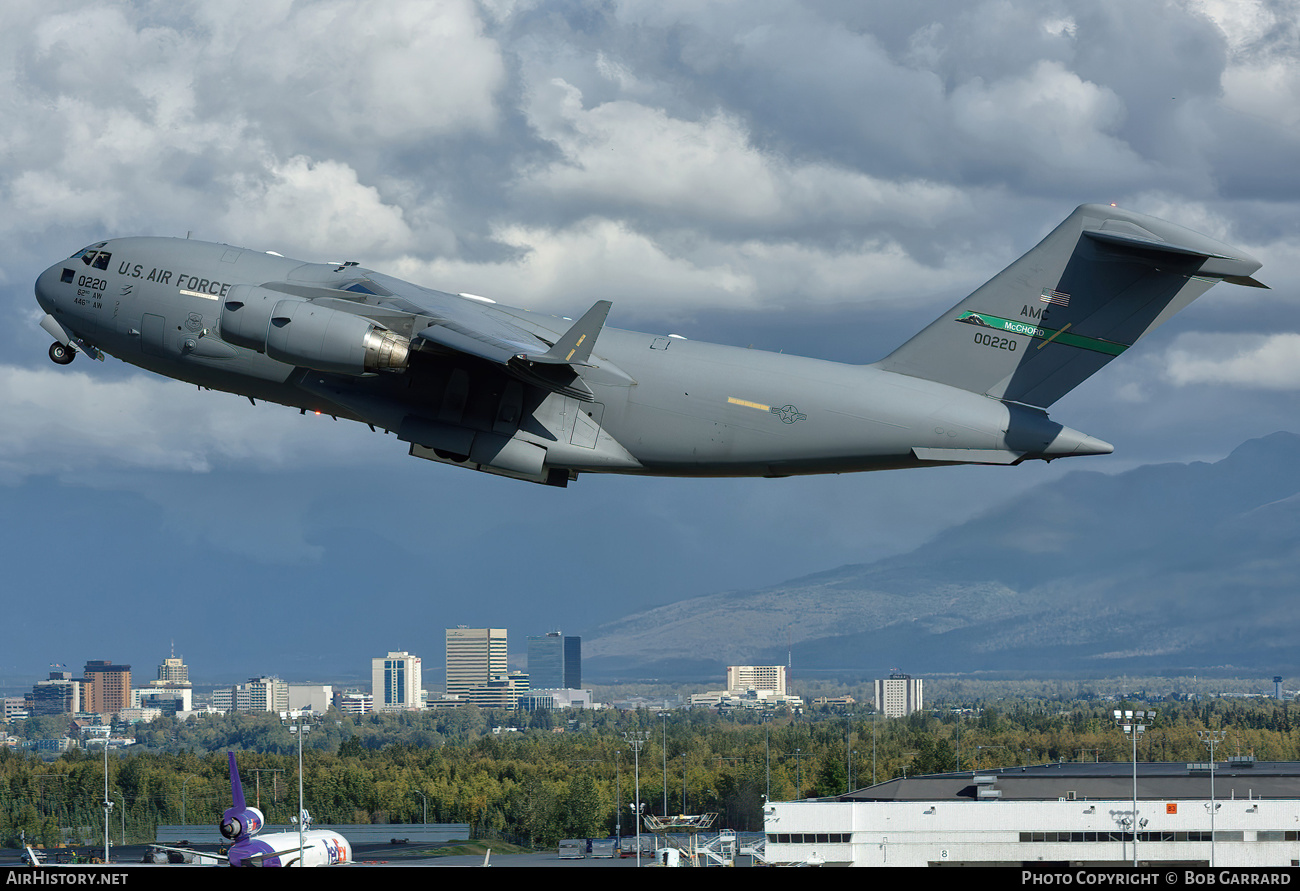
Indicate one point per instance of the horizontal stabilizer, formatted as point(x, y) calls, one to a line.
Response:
point(1214, 265)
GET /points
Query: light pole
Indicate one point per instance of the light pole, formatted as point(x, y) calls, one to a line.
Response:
point(637, 738)
point(108, 804)
point(848, 750)
point(664, 716)
point(874, 716)
point(1212, 738)
point(979, 749)
point(683, 782)
point(1134, 725)
point(767, 750)
point(426, 807)
point(122, 815)
point(303, 817)
point(188, 777)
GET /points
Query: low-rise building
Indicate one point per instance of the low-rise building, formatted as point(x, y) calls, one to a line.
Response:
point(1052, 814)
point(554, 699)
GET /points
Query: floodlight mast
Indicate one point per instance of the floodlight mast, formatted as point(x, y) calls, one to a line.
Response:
point(637, 738)
point(1134, 724)
point(1212, 738)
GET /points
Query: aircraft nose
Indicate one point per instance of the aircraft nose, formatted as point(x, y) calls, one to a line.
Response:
point(47, 287)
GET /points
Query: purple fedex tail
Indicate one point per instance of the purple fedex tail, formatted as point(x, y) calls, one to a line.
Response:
point(240, 823)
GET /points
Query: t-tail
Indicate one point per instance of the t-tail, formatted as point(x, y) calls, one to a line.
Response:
point(1086, 293)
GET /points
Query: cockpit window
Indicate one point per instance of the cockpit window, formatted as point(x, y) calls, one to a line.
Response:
point(92, 256)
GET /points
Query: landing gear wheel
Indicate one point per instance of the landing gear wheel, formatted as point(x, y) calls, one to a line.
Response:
point(61, 354)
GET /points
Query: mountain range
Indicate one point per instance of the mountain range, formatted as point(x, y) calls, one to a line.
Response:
point(1167, 567)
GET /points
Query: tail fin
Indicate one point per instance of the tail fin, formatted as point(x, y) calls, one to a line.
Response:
point(1089, 290)
point(236, 787)
point(239, 822)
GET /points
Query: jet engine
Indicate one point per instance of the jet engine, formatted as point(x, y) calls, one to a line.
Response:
point(242, 822)
point(300, 332)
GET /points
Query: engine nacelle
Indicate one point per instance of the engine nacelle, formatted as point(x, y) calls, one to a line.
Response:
point(303, 333)
point(300, 332)
point(239, 823)
point(246, 315)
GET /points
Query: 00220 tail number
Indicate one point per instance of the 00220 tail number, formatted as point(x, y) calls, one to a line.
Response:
point(1001, 343)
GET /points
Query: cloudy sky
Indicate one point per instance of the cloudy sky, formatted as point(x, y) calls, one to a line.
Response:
point(821, 178)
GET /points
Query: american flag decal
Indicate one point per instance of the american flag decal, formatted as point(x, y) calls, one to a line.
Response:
point(1056, 298)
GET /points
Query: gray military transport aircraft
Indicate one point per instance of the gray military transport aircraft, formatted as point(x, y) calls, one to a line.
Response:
point(465, 381)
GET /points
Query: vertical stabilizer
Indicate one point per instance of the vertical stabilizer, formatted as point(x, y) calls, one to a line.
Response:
point(1085, 294)
point(236, 787)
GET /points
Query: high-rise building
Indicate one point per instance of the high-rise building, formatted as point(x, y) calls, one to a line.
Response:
point(554, 662)
point(572, 663)
point(741, 678)
point(171, 691)
point(60, 694)
point(396, 683)
point(106, 688)
point(546, 661)
point(898, 695)
point(475, 656)
point(173, 670)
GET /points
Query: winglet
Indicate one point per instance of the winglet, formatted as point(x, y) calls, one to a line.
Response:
point(574, 348)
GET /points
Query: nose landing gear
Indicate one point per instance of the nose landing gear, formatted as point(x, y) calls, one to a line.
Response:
point(61, 354)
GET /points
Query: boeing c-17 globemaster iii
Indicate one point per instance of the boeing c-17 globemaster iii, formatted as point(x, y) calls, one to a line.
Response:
point(470, 382)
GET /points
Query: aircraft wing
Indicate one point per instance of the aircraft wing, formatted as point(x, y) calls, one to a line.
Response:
point(203, 858)
point(545, 358)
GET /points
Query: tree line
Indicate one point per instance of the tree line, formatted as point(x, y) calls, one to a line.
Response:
point(550, 776)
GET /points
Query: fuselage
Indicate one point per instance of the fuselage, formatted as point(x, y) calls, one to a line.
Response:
point(319, 848)
point(662, 405)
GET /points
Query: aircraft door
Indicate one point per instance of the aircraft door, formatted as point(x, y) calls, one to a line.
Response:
point(152, 335)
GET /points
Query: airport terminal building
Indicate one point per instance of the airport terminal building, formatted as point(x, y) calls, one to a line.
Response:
point(1052, 815)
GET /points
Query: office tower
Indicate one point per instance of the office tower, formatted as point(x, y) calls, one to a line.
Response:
point(899, 695)
point(106, 688)
point(572, 663)
point(554, 662)
point(171, 691)
point(546, 661)
point(395, 682)
point(474, 657)
point(60, 694)
point(173, 670)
